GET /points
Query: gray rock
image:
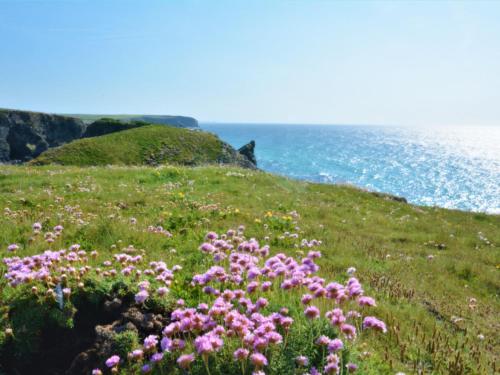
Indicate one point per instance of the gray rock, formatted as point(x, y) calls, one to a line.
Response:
point(248, 151)
point(25, 135)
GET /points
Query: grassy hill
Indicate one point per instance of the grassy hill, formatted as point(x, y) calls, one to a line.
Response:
point(152, 145)
point(434, 273)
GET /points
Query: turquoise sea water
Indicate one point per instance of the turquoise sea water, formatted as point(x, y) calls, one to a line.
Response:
point(447, 167)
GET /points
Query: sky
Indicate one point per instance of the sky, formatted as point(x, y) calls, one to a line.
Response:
point(422, 63)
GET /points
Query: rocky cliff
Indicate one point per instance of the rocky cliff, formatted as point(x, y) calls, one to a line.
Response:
point(25, 135)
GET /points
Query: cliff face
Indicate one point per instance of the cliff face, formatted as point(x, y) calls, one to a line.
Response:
point(25, 135)
point(178, 121)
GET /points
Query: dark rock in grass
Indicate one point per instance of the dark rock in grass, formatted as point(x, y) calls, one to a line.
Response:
point(390, 197)
point(248, 151)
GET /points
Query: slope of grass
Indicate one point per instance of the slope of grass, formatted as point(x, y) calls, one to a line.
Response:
point(153, 144)
point(433, 272)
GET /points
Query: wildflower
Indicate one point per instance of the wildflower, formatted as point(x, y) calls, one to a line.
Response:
point(157, 357)
point(112, 361)
point(146, 369)
point(351, 367)
point(348, 330)
point(137, 354)
point(351, 271)
point(322, 340)
point(13, 247)
point(37, 227)
point(306, 299)
point(372, 322)
point(150, 342)
point(240, 354)
point(96, 371)
point(312, 312)
point(366, 301)
point(258, 360)
point(141, 296)
point(302, 360)
point(335, 345)
point(162, 291)
point(211, 236)
point(185, 360)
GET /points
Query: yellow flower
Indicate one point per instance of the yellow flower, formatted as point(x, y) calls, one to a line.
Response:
point(236, 210)
point(181, 194)
point(268, 214)
point(258, 221)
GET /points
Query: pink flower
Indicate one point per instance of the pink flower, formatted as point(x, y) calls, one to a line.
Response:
point(306, 299)
point(322, 340)
point(112, 361)
point(351, 367)
point(302, 360)
point(12, 247)
point(366, 301)
point(162, 291)
point(312, 312)
point(240, 354)
point(335, 345)
point(258, 360)
point(185, 360)
point(372, 322)
point(141, 296)
point(348, 330)
point(150, 342)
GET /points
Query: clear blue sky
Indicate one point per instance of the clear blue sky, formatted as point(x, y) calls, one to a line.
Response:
point(394, 62)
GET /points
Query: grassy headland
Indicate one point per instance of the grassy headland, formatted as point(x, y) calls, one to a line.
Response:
point(433, 272)
point(152, 145)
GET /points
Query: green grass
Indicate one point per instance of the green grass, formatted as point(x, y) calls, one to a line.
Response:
point(425, 302)
point(153, 144)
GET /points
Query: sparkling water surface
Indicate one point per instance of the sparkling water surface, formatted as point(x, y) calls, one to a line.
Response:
point(452, 167)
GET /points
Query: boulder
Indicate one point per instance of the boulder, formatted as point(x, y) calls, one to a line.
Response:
point(248, 151)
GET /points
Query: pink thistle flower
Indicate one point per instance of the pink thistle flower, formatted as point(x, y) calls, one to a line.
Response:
point(96, 371)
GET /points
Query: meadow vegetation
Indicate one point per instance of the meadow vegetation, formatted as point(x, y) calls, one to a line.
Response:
point(245, 271)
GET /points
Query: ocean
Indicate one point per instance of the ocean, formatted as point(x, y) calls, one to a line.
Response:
point(456, 168)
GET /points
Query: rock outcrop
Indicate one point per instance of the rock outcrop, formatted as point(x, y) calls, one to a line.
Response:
point(248, 151)
point(25, 135)
point(231, 156)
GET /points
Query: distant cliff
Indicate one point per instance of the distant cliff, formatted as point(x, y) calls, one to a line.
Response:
point(25, 135)
point(177, 121)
